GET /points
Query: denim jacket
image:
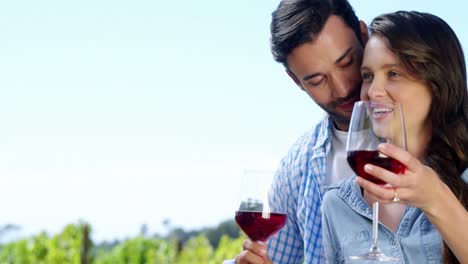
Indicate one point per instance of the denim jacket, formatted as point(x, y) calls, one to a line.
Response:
point(347, 230)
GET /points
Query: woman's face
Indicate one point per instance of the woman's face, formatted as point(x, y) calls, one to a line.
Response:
point(386, 80)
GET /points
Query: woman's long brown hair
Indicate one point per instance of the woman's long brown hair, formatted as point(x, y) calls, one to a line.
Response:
point(429, 49)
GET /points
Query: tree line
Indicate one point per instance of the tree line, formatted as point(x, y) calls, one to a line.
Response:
point(73, 245)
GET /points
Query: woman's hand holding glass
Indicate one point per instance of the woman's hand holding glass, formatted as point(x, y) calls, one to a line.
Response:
point(418, 186)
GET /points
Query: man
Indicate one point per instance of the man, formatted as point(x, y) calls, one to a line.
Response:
point(320, 43)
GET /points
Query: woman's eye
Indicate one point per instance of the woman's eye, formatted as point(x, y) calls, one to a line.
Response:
point(393, 74)
point(366, 76)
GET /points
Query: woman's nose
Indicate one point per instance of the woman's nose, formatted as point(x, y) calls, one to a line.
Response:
point(376, 90)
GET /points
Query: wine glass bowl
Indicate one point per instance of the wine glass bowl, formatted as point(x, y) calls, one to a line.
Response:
point(373, 123)
point(254, 215)
point(357, 159)
point(260, 226)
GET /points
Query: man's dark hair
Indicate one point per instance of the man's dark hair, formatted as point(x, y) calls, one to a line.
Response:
point(296, 22)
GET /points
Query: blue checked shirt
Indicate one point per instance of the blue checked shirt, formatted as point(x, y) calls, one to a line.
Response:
point(297, 191)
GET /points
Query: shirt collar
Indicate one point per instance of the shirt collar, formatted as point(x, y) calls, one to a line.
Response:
point(324, 133)
point(350, 192)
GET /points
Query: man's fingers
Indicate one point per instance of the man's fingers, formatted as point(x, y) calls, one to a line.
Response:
point(254, 253)
point(258, 248)
point(248, 257)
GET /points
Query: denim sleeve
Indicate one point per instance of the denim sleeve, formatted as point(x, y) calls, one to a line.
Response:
point(330, 241)
point(287, 246)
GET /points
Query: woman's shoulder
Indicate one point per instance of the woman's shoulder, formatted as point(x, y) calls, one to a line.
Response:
point(337, 194)
point(342, 218)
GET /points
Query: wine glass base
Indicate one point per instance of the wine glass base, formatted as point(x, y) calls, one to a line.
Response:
point(374, 254)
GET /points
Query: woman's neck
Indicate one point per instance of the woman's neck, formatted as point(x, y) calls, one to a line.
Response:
point(418, 142)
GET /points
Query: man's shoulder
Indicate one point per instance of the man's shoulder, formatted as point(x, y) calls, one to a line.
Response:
point(312, 138)
point(296, 163)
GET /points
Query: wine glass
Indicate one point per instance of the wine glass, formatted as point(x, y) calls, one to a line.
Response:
point(253, 214)
point(373, 123)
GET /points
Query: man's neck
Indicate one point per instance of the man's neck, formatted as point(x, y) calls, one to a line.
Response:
point(341, 126)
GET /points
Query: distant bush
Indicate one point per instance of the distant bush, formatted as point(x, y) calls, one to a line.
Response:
point(73, 246)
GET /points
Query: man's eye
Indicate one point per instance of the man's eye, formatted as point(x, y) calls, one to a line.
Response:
point(315, 82)
point(346, 62)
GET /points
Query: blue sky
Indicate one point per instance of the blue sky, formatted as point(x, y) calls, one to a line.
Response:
point(125, 113)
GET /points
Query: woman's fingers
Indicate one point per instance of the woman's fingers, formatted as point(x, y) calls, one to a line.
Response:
point(401, 155)
point(414, 187)
point(381, 193)
point(404, 157)
point(384, 175)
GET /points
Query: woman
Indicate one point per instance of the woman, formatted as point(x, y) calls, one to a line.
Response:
point(414, 59)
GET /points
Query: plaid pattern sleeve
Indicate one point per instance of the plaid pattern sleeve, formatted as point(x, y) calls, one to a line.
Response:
point(296, 190)
point(287, 246)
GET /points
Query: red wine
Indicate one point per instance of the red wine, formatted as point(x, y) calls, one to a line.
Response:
point(357, 160)
point(257, 227)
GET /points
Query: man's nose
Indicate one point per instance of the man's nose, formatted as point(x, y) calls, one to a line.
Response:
point(341, 87)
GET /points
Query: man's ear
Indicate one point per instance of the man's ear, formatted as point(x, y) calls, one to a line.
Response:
point(294, 78)
point(364, 32)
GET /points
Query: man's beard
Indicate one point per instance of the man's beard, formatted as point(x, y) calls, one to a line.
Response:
point(337, 117)
point(341, 118)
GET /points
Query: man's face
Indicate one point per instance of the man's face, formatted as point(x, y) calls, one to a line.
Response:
point(328, 69)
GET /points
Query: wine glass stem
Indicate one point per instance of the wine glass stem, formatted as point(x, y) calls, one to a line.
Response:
point(375, 223)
